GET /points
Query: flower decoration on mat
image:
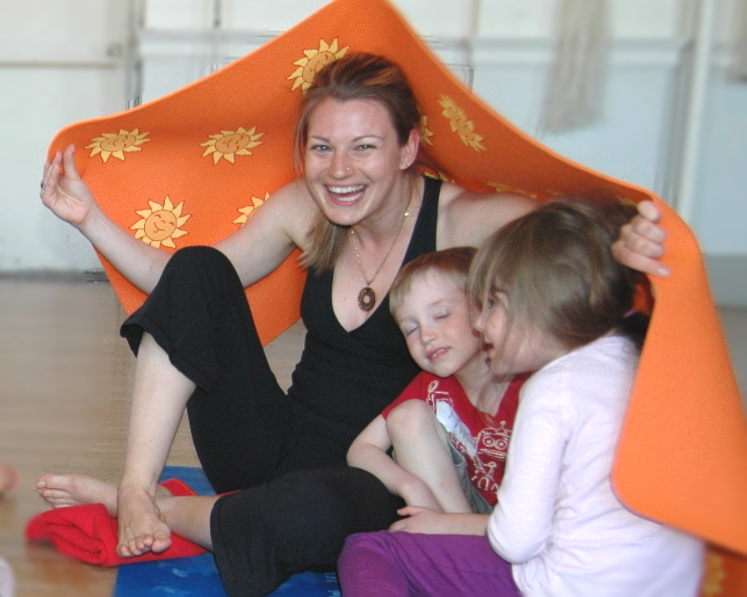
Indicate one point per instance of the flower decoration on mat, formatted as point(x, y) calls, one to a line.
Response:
point(425, 132)
point(460, 124)
point(713, 575)
point(248, 211)
point(313, 62)
point(229, 144)
point(160, 224)
point(117, 144)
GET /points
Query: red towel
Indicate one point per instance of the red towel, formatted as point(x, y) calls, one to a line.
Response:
point(89, 534)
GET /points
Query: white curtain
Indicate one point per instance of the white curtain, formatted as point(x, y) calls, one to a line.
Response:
point(740, 62)
point(575, 87)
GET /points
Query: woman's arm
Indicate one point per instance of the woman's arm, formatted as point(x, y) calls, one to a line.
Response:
point(70, 199)
point(369, 452)
point(641, 242)
point(268, 237)
point(467, 218)
point(256, 249)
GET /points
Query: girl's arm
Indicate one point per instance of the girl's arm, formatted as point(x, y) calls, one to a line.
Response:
point(425, 520)
point(521, 522)
point(369, 452)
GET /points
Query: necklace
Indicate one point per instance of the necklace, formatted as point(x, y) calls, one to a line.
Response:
point(367, 296)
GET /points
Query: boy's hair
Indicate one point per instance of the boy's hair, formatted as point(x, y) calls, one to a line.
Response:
point(454, 262)
point(556, 268)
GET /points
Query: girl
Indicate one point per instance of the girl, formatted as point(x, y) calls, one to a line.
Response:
point(552, 300)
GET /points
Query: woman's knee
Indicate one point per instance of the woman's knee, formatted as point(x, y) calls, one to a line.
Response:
point(195, 257)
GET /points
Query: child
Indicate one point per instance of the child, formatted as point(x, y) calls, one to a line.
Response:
point(553, 300)
point(8, 478)
point(450, 427)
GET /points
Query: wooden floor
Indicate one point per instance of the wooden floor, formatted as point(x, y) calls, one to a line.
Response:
point(65, 379)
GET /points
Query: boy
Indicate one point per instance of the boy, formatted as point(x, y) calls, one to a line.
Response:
point(450, 427)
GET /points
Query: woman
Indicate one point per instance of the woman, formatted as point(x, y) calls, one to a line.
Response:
point(358, 212)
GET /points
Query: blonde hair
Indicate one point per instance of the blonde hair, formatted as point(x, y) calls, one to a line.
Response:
point(557, 271)
point(454, 263)
point(356, 76)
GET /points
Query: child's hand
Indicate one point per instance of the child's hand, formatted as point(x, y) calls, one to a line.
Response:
point(421, 520)
point(8, 478)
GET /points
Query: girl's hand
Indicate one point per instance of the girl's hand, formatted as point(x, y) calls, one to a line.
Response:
point(63, 191)
point(640, 244)
point(422, 520)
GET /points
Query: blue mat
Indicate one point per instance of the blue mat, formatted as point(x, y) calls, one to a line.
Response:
point(198, 576)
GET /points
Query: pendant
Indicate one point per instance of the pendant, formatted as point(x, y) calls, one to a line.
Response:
point(366, 298)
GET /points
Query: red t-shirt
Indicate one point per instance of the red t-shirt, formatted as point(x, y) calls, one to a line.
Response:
point(480, 438)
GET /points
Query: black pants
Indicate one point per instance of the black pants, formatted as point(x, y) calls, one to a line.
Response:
point(281, 521)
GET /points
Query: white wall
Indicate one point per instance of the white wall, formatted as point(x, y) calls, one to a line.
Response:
point(507, 42)
point(59, 62)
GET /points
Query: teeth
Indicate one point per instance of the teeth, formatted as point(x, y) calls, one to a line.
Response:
point(345, 190)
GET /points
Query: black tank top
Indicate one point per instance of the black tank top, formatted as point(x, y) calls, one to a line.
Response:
point(344, 379)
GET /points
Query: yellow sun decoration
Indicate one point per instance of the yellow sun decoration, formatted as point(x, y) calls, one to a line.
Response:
point(229, 144)
point(160, 224)
point(313, 61)
point(248, 211)
point(459, 124)
point(425, 132)
point(117, 144)
point(713, 575)
point(504, 188)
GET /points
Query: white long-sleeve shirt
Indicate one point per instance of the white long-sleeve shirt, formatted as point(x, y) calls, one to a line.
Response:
point(558, 520)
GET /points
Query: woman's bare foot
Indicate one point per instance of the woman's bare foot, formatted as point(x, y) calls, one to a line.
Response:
point(61, 491)
point(141, 527)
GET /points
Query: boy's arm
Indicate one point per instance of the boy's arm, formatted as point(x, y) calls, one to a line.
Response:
point(369, 452)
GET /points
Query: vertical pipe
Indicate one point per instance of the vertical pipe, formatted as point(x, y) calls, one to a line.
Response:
point(704, 32)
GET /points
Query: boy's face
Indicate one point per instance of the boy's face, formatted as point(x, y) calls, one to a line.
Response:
point(435, 320)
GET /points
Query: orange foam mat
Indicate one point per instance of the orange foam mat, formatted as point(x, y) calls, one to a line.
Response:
point(191, 167)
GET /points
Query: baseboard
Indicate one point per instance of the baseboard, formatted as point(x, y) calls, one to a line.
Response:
point(727, 275)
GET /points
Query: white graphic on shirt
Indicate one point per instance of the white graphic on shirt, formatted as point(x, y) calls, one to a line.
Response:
point(489, 447)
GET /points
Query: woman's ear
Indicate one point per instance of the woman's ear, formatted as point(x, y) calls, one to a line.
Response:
point(409, 150)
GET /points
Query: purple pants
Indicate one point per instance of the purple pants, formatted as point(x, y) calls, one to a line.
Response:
point(384, 564)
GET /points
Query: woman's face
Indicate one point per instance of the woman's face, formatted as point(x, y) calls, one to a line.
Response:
point(353, 161)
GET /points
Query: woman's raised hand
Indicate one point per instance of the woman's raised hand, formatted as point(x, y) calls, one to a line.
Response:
point(63, 191)
point(641, 242)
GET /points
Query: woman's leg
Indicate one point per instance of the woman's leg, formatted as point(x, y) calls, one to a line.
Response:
point(421, 447)
point(263, 535)
point(388, 564)
point(159, 397)
point(196, 346)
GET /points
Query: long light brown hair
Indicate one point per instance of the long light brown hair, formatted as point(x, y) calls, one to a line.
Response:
point(557, 271)
point(354, 76)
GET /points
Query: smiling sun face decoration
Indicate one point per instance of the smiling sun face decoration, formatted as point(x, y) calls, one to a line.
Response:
point(117, 144)
point(313, 62)
point(160, 224)
point(229, 144)
point(249, 210)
